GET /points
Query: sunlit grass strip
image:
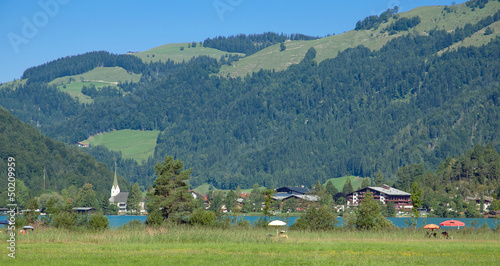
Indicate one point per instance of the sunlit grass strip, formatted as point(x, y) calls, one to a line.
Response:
point(198, 245)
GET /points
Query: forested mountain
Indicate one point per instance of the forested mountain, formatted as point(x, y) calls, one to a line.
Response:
point(364, 111)
point(73, 65)
point(249, 44)
point(35, 154)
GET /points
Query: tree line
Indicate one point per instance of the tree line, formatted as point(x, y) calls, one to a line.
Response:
point(374, 21)
point(251, 43)
point(403, 24)
point(476, 3)
point(79, 64)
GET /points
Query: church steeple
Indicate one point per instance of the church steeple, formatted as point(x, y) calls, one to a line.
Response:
point(115, 189)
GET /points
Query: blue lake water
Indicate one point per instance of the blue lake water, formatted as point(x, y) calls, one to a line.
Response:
point(116, 221)
point(399, 222)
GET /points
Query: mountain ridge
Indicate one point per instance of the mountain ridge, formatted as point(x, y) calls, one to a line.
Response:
point(361, 111)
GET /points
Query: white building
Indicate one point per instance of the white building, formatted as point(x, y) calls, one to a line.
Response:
point(117, 197)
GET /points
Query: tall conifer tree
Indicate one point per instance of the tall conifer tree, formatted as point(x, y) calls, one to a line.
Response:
point(171, 197)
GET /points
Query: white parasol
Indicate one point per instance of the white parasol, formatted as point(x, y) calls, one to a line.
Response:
point(277, 223)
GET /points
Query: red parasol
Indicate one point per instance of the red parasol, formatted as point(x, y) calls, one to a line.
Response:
point(452, 223)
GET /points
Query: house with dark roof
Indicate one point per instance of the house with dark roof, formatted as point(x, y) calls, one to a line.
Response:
point(293, 190)
point(299, 193)
point(384, 194)
point(87, 210)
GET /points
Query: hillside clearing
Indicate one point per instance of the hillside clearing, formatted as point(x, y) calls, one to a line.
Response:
point(133, 144)
point(340, 181)
point(477, 39)
point(74, 89)
point(174, 53)
point(111, 75)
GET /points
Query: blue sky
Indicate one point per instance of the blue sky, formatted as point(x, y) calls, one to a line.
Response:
point(36, 32)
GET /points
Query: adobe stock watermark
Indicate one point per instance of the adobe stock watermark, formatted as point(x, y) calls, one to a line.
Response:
point(223, 6)
point(31, 26)
point(11, 214)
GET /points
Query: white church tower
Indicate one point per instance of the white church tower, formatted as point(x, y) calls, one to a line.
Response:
point(115, 189)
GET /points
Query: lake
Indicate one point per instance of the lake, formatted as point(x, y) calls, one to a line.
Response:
point(116, 221)
point(399, 222)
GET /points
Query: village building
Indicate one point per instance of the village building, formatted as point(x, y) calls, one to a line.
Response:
point(487, 200)
point(84, 210)
point(292, 190)
point(300, 194)
point(84, 145)
point(118, 198)
point(385, 194)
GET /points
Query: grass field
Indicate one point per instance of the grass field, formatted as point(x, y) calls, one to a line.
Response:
point(99, 77)
point(243, 246)
point(174, 53)
point(74, 89)
point(202, 189)
point(133, 144)
point(340, 181)
point(110, 75)
point(477, 39)
point(435, 16)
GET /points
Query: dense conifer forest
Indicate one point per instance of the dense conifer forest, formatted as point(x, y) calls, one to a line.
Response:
point(359, 113)
point(36, 155)
point(252, 43)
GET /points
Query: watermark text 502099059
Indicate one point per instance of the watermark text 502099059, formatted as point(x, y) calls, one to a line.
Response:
point(11, 188)
point(31, 25)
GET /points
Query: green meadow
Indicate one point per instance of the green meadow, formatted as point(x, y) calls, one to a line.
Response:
point(478, 38)
point(248, 246)
point(74, 89)
point(340, 181)
point(133, 144)
point(99, 77)
point(174, 53)
point(108, 75)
